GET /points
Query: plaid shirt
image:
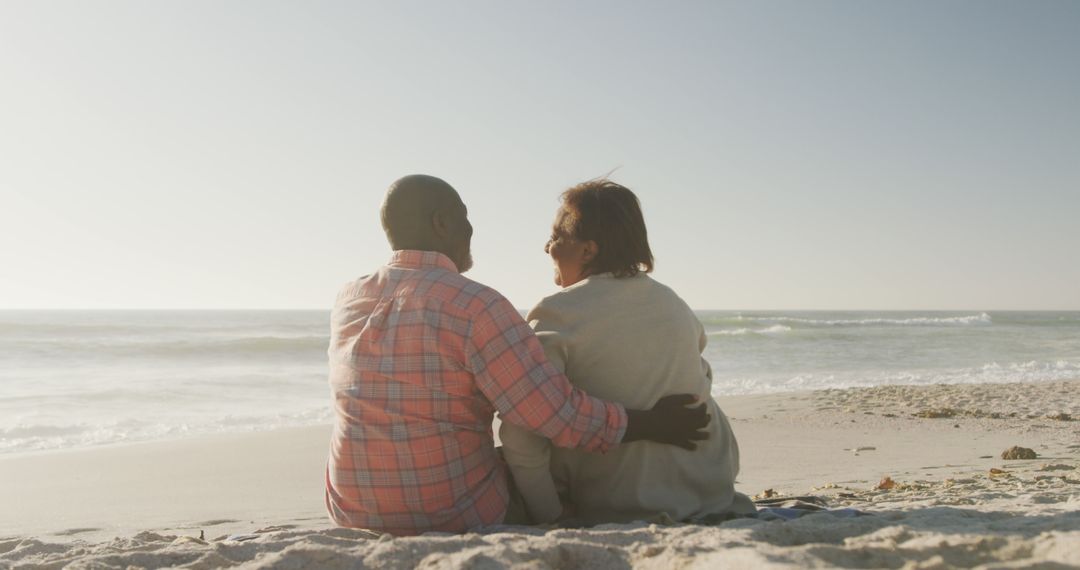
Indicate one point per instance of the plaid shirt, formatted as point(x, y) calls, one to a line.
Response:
point(420, 359)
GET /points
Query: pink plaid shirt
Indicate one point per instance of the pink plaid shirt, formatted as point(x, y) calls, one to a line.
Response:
point(420, 359)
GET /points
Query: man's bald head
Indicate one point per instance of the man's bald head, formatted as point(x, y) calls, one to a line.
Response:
point(425, 213)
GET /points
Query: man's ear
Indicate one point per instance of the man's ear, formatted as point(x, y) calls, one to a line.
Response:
point(438, 224)
point(590, 251)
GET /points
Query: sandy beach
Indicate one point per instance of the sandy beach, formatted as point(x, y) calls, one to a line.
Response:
point(924, 463)
point(232, 230)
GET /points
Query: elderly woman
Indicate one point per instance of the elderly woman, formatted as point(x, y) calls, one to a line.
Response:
point(622, 336)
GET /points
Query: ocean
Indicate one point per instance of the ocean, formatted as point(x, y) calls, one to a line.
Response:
point(71, 379)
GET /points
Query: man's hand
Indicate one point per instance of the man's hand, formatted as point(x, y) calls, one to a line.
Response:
point(669, 421)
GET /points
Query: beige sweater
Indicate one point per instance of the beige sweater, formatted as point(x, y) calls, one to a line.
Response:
point(628, 340)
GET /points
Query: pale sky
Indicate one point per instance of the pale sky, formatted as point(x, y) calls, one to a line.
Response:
point(788, 155)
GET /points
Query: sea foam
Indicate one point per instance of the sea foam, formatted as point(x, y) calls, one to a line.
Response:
point(990, 373)
point(775, 329)
point(979, 319)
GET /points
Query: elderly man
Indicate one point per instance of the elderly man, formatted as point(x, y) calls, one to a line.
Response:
point(420, 359)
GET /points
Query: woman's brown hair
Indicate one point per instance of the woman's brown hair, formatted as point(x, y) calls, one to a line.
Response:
point(610, 215)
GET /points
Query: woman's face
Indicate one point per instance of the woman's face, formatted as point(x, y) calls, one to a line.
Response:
point(569, 255)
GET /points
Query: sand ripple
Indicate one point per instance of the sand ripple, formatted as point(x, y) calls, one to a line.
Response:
point(1049, 401)
point(912, 537)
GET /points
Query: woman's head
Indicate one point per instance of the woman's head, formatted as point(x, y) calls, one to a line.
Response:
point(598, 229)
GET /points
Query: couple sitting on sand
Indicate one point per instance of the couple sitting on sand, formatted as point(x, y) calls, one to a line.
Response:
point(421, 358)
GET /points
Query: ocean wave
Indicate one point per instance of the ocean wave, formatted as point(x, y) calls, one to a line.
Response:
point(77, 330)
point(248, 345)
point(989, 373)
point(22, 431)
point(980, 319)
point(773, 330)
point(243, 347)
point(22, 438)
point(55, 329)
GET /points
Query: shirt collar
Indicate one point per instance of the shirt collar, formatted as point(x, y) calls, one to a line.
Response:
point(417, 259)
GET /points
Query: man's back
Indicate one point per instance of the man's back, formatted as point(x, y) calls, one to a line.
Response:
point(412, 431)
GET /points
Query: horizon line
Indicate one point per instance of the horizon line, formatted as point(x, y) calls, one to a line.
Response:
point(283, 309)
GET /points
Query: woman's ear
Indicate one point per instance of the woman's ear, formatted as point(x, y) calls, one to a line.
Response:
point(590, 251)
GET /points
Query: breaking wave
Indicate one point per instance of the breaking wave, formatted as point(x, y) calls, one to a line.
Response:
point(23, 437)
point(980, 319)
point(990, 373)
point(773, 330)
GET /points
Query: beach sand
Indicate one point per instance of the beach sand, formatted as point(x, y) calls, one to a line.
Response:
point(255, 500)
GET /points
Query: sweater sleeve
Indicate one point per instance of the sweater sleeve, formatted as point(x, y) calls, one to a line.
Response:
point(529, 454)
point(703, 341)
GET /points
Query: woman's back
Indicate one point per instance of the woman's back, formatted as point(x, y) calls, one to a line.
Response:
point(630, 340)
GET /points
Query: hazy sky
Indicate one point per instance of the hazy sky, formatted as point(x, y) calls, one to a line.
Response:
point(844, 155)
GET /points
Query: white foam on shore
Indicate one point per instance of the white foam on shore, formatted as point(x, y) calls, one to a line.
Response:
point(775, 329)
point(26, 438)
point(990, 373)
point(979, 319)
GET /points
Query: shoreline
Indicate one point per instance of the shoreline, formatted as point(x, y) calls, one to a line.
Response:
point(938, 444)
point(742, 402)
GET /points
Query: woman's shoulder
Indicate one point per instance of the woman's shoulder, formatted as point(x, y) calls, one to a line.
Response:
point(585, 291)
point(662, 294)
point(648, 288)
point(598, 291)
point(567, 300)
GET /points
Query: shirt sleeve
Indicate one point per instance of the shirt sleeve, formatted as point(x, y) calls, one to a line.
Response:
point(513, 373)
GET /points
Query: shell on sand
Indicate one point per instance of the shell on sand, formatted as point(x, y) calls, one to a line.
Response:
point(1017, 452)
